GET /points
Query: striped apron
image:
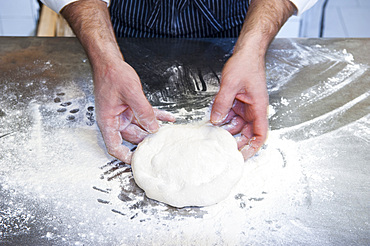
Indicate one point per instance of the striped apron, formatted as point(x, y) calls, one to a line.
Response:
point(178, 18)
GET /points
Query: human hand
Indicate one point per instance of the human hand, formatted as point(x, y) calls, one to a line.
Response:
point(122, 110)
point(241, 103)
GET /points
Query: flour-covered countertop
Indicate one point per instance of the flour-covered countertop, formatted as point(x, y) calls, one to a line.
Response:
point(309, 185)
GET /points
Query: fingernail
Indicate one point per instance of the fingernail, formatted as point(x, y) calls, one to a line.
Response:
point(127, 158)
point(247, 152)
point(153, 127)
point(217, 118)
point(172, 118)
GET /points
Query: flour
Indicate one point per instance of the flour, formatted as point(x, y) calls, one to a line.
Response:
point(59, 186)
point(268, 180)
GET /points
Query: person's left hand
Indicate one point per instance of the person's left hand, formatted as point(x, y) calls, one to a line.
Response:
point(241, 104)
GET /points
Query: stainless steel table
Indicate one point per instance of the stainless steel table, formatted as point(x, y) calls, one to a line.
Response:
point(309, 185)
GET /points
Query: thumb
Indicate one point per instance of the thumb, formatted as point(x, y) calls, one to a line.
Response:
point(222, 105)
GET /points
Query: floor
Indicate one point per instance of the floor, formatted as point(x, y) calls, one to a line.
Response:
point(342, 18)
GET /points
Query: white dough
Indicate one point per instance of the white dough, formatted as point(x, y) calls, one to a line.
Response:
point(188, 165)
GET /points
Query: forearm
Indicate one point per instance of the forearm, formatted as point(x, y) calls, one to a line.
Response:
point(263, 21)
point(91, 23)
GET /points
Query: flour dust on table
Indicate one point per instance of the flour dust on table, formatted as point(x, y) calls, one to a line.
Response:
point(59, 186)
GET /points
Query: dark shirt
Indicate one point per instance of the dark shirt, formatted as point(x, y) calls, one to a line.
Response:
point(178, 18)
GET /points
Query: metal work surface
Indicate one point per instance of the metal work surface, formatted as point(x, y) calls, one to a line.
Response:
point(309, 185)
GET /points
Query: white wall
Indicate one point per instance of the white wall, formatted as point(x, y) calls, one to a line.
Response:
point(18, 17)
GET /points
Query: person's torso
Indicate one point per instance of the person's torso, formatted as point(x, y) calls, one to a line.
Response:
point(178, 18)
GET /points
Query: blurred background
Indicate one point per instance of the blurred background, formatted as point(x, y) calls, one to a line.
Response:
point(328, 18)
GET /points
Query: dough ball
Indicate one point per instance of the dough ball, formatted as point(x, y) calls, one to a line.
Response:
point(188, 165)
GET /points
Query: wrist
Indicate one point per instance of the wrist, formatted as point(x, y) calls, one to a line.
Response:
point(263, 21)
point(251, 45)
point(104, 54)
point(91, 23)
point(105, 68)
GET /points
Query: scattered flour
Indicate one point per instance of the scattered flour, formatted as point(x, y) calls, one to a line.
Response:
point(59, 186)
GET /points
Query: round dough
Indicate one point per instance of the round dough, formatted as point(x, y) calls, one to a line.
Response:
point(188, 165)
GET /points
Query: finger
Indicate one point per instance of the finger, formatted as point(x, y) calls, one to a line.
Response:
point(159, 114)
point(144, 113)
point(129, 127)
point(250, 149)
point(229, 117)
point(246, 135)
point(127, 117)
point(122, 153)
point(134, 134)
point(164, 115)
point(239, 108)
point(260, 127)
point(113, 141)
point(235, 125)
point(222, 105)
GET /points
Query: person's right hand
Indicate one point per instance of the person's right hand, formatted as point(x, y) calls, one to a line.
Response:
point(122, 110)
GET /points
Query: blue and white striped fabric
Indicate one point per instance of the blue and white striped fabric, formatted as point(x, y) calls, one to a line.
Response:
point(178, 18)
